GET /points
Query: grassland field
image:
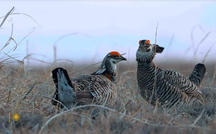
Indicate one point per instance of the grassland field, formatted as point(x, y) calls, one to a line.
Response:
point(28, 91)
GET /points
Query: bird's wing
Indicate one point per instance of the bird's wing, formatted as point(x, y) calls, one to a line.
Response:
point(97, 85)
point(168, 95)
point(181, 82)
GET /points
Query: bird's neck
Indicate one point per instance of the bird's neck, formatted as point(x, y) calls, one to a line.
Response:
point(111, 72)
point(144, 67)
point(146, 78)
point(108, 75)
point(111, 77)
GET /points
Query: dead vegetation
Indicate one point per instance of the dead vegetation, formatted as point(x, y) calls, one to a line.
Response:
point(30, 94)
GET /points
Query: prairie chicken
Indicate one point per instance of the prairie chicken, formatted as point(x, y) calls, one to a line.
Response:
point(164, 87)
point(96, 88)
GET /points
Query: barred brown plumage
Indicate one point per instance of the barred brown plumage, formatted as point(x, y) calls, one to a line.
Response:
point(168, 88)
point(97, 88)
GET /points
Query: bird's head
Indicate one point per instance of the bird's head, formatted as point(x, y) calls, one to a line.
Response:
point(147, 51)
point(109, 65)
point(114, 57)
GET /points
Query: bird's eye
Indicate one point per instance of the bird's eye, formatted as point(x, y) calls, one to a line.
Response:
point(115, 56)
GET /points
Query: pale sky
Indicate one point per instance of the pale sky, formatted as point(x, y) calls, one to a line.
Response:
point(102, 26)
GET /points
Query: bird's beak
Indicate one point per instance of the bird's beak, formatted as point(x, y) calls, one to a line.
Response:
point(122, 58)
point(158, 48)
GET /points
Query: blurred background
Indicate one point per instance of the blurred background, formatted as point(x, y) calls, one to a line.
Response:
point(85, 31)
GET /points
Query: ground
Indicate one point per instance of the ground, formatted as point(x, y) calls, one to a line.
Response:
point(28, 92)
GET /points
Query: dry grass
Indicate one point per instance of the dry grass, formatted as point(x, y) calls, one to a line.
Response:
point(28, 93)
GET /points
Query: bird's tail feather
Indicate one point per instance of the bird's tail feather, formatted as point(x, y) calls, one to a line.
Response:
point(198, 74)
point(63, 85)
